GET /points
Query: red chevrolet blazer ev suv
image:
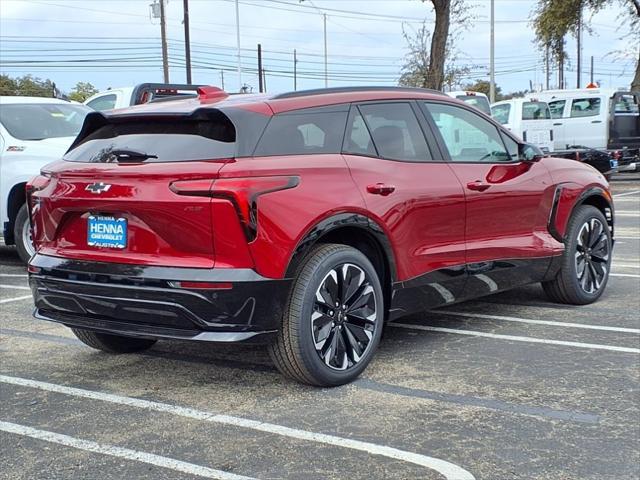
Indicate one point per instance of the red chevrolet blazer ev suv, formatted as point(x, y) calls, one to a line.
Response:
point(303, 221)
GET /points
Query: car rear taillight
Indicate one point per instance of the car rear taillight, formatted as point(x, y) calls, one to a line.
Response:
point(37, 183)
point(242, 192)
point(551, 134)
point(617, 155)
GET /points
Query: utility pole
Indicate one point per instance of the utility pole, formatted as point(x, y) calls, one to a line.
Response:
point(547, 67)
point(295, 71)
point(591, 69)
point(492, 65)
point(240, 85)
point(163, 33)
point(264, 79)
point(187, 41)
point(326, 71)
point(260, 78)
point(579, 60)
point(222, 78)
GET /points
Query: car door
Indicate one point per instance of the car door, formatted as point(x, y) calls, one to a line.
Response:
point(557, 108)
point(414, 197)
point(587, 123)
point(508, 200)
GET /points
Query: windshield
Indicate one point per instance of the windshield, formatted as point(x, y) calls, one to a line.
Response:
point(37, 121)
point(477, 101)
point(535, 111)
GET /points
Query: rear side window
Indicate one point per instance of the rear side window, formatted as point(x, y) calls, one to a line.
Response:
point(301, 132)
point(106, 102)
point(535, 111)
point(585, 107)
point(396, 132)
point(556, 108)
point(358, 140)
point(156, 140)
point(501, 113)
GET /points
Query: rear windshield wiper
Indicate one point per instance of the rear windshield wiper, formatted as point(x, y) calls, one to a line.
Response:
point(129, 156)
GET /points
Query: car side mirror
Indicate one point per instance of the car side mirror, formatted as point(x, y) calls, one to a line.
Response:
point(530, 153)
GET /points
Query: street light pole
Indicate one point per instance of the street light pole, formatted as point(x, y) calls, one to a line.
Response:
point(238, 46)
point(492, 66)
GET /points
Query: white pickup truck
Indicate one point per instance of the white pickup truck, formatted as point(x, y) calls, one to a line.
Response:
point(143, 93)
point(34, 131)
point(527, 118)
point(597, 118)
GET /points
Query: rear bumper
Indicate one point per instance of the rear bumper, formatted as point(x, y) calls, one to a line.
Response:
point(141, 301)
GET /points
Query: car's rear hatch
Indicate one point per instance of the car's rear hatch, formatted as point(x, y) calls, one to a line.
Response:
point(112, 200)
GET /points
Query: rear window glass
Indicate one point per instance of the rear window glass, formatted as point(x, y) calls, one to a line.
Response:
point(477, 101)
point(158, 141)
point(303, 132)
point(501, 113)
point(585, 107)
point(535, 111)
point(557, 108)
point(626, 104)
point(39, 121)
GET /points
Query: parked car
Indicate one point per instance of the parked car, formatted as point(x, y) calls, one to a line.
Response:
point(143, 93)
point(34, 131)
point(305, 221)
point(528, 118)
point(597, 118)
point(475, 99)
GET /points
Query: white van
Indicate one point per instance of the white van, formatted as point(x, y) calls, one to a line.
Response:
point(475, 99)
point(528, 118)
point(598, 118)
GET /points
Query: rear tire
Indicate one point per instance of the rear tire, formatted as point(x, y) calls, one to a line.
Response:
point(333, 321)
point(586, 261)
point(112, 343)
point(22, 235)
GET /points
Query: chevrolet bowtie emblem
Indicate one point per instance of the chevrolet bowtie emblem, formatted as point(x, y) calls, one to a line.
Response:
point(98, 187)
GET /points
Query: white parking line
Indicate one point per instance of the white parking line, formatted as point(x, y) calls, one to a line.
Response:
point(627, 238)
point(119, 452)
point(627, 214)
point(539, 322)
point(632, 275)
point(21, 275)
point(449, 470)
point(626, 194)
point(515, 338)
point(15, 299)
point(15, 287)
point(626, 265)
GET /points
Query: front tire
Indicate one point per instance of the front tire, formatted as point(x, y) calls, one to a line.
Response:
point(333, 321)
point(586, 261)
point(22, 235)
point(112, 343)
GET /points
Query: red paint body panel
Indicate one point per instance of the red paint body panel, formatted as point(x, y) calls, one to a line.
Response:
point(163, 228)
point(284, 217)
point(509, 219)
point(424, 216)
point(575, 178)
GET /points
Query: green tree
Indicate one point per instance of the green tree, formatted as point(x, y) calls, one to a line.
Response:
point(82, 91)
point(33, 86)
point(483, 86)
point(553, 20)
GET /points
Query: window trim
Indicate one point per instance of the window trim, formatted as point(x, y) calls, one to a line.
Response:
point(411, 103)
point(443, 145)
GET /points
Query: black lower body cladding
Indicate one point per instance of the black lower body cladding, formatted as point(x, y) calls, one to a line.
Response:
point(143, 301)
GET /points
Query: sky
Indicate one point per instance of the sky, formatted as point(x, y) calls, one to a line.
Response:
point(115, 43)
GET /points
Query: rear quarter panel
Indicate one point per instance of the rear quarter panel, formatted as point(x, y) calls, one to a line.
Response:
point(326, 189)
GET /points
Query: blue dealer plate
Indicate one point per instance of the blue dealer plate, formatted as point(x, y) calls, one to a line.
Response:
point(108, 232)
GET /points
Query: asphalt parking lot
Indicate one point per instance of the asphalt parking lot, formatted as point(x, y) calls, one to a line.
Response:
point(507, 387)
